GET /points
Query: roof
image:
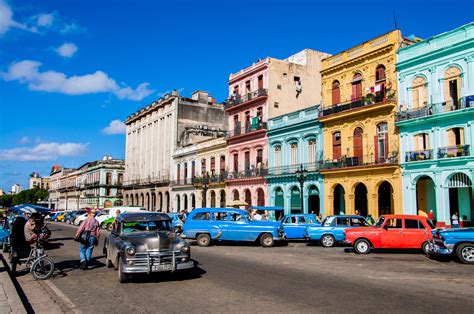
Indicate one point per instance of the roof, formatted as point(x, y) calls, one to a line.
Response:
point(213, 209)
point(126, 217)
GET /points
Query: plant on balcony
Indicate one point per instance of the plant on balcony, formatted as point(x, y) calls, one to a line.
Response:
point(369, 99)
point(390, 94)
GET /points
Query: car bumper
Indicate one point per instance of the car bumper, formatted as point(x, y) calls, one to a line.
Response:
point(346, 242)
point(439, 250)
point(133, 269)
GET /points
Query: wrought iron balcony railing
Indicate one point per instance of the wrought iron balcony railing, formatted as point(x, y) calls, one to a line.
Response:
point(354, 104)
point(364, 161)
point(248, 173)
point(238, 99)
point(419, 155)
point(247, 129)
point(453, 151)
point(146, 181)
point(211, 178)
point(182, 181)
point(291, 169)
point(432, 109)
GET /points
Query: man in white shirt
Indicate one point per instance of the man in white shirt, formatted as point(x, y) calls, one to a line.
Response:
point(257, 216)
point(455, 220)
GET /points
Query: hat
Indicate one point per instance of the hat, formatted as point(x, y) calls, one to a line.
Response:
point(88, 210)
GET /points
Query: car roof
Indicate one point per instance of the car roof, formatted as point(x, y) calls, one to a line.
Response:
point(404, 216)
point(128, 217)
point(289, 215)
point(218, 209)
point(346, 216)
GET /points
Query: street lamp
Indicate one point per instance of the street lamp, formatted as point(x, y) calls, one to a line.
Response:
point(205, 186)
point(301, 174)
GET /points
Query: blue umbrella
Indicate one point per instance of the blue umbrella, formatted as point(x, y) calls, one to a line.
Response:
point(30, 209)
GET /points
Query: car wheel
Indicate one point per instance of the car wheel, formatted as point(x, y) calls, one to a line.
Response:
point(266, 240)
point(110, 227)
point(108, 261)
point(121, 275)
point(203, 239)
point(328, 240)
point(465, 253)
point(425, 247)
point(362, 246)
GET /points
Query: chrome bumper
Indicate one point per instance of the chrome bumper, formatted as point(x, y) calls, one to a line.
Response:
point(448, 249)
point(146, 262)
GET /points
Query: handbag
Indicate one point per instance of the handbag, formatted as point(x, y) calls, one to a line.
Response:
point(85, 237)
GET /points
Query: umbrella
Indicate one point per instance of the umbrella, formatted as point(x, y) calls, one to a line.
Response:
point(30, 209)
point(237, 203)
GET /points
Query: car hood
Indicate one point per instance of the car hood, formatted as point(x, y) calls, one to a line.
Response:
point(454, 230)
point(146, 241)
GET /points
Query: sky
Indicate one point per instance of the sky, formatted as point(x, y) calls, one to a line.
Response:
point(72, 71)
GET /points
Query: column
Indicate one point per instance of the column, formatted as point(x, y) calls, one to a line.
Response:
point(373, 204)
point(350, 206)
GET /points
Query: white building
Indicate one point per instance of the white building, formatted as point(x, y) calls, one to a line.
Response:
point(16, 188)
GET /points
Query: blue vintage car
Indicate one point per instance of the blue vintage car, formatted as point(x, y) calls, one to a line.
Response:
point(55, 215)
point(294, 225)
point(230, 224)
point(331, 230)
point(4, 234)
point(456, 241)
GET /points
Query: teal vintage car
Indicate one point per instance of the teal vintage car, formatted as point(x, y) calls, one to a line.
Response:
point(457, 242)
point(230, 224)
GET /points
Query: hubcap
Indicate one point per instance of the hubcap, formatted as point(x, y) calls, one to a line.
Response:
point(362, 246)
point(267, 240)
point(468, 253)
point(327, 241)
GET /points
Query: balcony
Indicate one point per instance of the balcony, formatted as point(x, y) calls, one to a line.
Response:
point(237, 131)
point(248, 173)
point(362, 102)
point(183, 181)
point(210, 179)
point(291, 169)
point(453, 151)
point(241, 99)
point(417, 155)
point(348, 162)
point(147, 181)
point(432, 109)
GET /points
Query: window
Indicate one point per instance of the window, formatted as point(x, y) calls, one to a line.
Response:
point(357, 87)
point(108, 178)
point(222, 164)
point(213, 165)
point(452, 87)
point(304, 220)
point(119, 178)
point(278, 156)
point(185, 170)
point(247, 87)
point(201, 216)
point(342, 221)
point(193, 169)
point(260, 114)
point(413, 224)
point(247, 161)
point(236, 217)
point(358, 222)
point(290, 220)
point(394, 223)
point(419, 97)
point(278, 86)
point(247, 120)
point(381, 142)
point(358, 143)
point(336, 145)
point(421, 142)
point(236, 162)
point(312, 151)
point(276, 104)
point(298, 86)
point(220, 216)
point(455, 137)
point(178, 172)
point(236, 89)
point(260, 82)
point(380, 73)
point(336, 93)
point(293, 153)
point(259, 157)
point(203, 166)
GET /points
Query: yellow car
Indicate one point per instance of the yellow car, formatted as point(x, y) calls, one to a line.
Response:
point(61, 217)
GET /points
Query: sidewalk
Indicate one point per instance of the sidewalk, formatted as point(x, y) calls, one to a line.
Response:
point(10, 301)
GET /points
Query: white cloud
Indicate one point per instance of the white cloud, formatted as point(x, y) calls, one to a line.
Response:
point(27, 72)
point(67, 50)
point(115, 127)
point(45, 19)
point(43, 152)
point(7, 21)
point(25, 140)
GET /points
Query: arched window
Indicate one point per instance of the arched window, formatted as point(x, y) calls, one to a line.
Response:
point(277, 156)
point(357, 87)
point(380, 73)
point(380, 83)
point(381, 142)
point(419, 98)
point(455, 137)
point(357, 142)
point(452, 87)
point(294, 153)
point(312, 151)
point(336, 93)
point(421, 141)
point(336, 145)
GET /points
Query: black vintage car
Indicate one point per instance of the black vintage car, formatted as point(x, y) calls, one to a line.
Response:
point(145, 243)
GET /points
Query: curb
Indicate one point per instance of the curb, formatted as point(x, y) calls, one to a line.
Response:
point(8, 293)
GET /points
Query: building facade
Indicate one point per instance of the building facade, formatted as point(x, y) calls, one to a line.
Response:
point(436, 123)
point(154, 133)
point(296, 143)
point(361, 170)
point(184, 170)
point(268, 88)
point(38, 182)
point(16, 188)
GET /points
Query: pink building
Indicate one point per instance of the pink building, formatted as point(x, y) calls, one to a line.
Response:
point(267, 89)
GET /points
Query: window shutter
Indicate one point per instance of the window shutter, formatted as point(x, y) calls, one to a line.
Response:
point(376, 149)
point(386, 145)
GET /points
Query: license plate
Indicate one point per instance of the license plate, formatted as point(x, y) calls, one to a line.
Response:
point(163, 267)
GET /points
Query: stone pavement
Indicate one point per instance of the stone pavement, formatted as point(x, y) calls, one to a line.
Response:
point(10, 301)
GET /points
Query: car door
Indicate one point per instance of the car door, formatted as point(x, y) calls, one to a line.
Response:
point(392, 233)
point(238, 228)
point(415, 233)
point(303, 222)
point(220, 223)
point(290, 225)
point(341, 224)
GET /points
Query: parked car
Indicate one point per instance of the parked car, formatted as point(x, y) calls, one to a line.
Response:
point(5, 235)
point(456, 241)
point(61, 217)
point(392, 232)
point(230, 224)
point(55, 215)
point(144, 242)
point(294, 225)
point(331, 230)
point(111, 212)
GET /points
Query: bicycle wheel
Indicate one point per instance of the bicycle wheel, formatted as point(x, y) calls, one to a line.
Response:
point(42, 268)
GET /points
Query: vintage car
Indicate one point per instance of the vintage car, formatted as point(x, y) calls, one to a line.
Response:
point(145, 243)
point(331, 230)
point(230, 224)
point(456, 241)
point(392, 232)
point(5, 235)
point(294, 225)
point(55, 215)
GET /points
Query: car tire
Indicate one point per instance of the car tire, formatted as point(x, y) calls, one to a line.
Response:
point(203, 240)
point(266, 240)
point(465, 253)
point(109, 227)
point(425, 247)
point(328, 240)
point(362, 246)
point(121, 275)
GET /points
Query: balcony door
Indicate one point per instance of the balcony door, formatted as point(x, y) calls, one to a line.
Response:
point(358, 151)
point(357, 87)
point(336, 145)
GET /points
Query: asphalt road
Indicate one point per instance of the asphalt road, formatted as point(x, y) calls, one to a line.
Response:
point(248, 278)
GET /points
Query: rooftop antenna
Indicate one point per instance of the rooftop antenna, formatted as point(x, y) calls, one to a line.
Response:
point(395, 19)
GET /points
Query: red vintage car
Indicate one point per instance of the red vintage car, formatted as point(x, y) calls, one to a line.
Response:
point(392, 232)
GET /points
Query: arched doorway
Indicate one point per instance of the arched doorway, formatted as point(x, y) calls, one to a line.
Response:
point(142, 200)
point(193, 201)
point(137, 200)
point(313, 200)
point(385, 199)
point(260, 197)
point(131, 200)
point(222, 203)
point(167, 199)
point(248, 198)
point(147, 201)
point(213, 199)
point(127, 200)
point(153, 201)
point(160, 201)
point(357, 141)
point(460, 197)
point(425, 196)
point(279, 202)
point(295, 201)
point(339, 201)
point(360, 199)
point(185, 201)
point(178, 203)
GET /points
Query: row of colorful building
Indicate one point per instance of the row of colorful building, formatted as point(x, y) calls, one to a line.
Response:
point(383, 127)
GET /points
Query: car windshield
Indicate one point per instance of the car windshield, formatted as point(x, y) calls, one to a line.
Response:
point(380, 222)
point(431, 223)
point(328, 221)
point(146, 226)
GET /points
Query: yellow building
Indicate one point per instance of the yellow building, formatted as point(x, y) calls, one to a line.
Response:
point(361, 170)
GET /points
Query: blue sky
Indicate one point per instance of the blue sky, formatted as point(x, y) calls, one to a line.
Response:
point(69, 69)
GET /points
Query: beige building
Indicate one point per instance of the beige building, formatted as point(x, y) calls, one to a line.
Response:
point(36, 181)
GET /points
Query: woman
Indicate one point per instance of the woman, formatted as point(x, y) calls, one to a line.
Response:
point(88, 234)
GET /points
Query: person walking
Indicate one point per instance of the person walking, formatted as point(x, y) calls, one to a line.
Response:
point(88, 234)
point(431, 215)
point(455, 220)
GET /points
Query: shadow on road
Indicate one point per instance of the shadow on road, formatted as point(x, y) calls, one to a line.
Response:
point(240, 243)
point(61, 239)
point(183, 275)
point(64, 267)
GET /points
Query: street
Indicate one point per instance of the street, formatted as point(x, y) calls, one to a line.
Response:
point(248, 278)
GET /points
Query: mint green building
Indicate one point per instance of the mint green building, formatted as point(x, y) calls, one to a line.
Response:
point(436, 125)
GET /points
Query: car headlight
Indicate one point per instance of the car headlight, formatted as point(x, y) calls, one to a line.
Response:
point(130, 250)
point(185, 249)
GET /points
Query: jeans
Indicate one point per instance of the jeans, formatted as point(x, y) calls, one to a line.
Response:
point(454, 225)
point(85, 252)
